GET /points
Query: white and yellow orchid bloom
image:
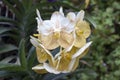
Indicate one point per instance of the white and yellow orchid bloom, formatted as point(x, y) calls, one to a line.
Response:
point(69, 33)
point(58, 31)
point(82, 28)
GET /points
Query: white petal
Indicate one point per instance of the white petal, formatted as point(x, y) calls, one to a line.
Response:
point(34, 41)
point(61, 10)
point(80, 15)
point(81, 50)
point(71, 16)
point(72, 64)
point(46, 28)
point(38, 67)
point(38, 14)
point(38, 22)
point(50, 69)
point(67, 26)
point(56, 18)
point(38, 18)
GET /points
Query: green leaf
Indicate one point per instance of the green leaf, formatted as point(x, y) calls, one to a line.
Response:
point(58, 3)
point(31, 57)
point(7, 59)
point(6, 74)
point(27, 3)
point(27, 78)
point(19, 5)
point(54, 76)
point(22, 55)
point(14, 10)
point(10, 67)
point(7, 47)
point(90, 20)
point(4, 29)
point(4, 20)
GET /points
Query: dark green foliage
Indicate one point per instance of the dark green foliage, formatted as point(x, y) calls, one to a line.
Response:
point(105, 52)
point(17, 56)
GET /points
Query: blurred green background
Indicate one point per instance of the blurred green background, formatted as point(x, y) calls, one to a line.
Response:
point(18, 56)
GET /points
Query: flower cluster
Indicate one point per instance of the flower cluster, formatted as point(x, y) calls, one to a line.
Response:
point(69, 33)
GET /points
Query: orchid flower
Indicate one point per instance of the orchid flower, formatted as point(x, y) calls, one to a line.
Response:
point(67, 32)
point(82, 28)
point(58, 31)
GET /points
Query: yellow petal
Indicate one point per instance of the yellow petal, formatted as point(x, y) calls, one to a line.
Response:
point(39, 69)
point(73, 51)
point(66, 39)
point(42, 55)
point(63, 63)
point(49, 42)
point(84, 27)
point(79, 41)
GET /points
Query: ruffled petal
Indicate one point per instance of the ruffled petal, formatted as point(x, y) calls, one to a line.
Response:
point(84, 27)
point(67, 25)
point(49, 42)
point(46, 27)
point(42, 56)
point(66, 40)
point(57, 16)
point(71, 16)
point(79, 41)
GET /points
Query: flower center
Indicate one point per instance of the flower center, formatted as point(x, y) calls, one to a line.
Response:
point(79, 32)
point(56, 35)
